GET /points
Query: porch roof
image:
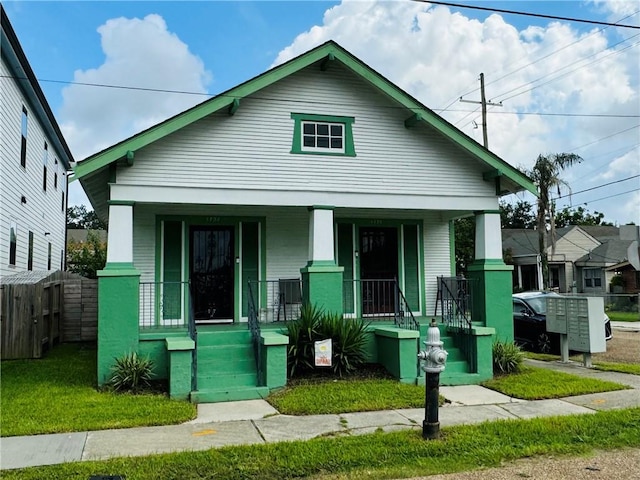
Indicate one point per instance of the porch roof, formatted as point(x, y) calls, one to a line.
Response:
point(508, 178)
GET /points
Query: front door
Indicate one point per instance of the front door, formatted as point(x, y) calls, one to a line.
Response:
point(211, 269)
point(378, 269)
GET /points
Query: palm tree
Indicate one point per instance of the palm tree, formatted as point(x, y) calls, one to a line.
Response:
point(545, 174)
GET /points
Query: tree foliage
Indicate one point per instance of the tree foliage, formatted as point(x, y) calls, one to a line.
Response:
point(579, 216)
point(546, 176)
point(465, 233)
point(519, 215)
point(78, 217)
point(86, 258)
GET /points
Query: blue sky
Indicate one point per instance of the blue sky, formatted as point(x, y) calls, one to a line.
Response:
point(569, 72)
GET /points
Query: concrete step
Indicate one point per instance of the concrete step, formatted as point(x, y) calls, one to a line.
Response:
point(228, 394)
point(215, 366)
point(224, 353)
point(229, 380)
point(222, 337)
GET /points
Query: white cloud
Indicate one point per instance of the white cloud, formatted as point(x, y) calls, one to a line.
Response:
point(436, 55)
point(138, 53)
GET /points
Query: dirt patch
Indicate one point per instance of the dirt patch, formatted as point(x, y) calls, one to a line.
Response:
point(624, 347)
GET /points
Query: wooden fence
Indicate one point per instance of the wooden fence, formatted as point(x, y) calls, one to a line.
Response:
point(36, 316)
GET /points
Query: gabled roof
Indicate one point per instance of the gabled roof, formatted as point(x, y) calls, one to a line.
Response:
point(325, 53)
point(26, 79)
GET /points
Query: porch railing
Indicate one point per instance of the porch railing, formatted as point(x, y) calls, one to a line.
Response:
point(277, 300)
point(254, 327)
point(455, 301)
point(164, 305)
point(378, 299)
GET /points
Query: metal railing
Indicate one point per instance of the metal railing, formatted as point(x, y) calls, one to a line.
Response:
point(164, 305)
point(254, 327)
point(455, 300)
point(277, 300)
point(378, 299)
point(193, 334)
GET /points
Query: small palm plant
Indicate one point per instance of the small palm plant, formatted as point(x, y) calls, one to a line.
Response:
point(131, 373)
point(507, 357)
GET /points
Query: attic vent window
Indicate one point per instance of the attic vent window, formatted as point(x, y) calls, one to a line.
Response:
point(322, 135)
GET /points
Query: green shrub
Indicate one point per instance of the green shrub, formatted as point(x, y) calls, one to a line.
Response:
point(348, 339)
point(131, 373)
point(507, 357)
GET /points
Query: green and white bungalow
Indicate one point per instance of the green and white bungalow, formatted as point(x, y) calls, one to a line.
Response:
point(318, 181)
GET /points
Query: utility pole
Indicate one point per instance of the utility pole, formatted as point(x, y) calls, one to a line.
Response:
point(484, 103)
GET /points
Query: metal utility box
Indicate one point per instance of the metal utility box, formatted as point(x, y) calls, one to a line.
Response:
point(581, 319)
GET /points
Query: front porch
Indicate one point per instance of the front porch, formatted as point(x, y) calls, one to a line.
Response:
point(211, 362)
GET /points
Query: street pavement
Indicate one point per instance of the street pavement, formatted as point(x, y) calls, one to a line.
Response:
point(256, 422)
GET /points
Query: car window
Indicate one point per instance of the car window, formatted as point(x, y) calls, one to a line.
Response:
point(538, 304)
point(518, 306)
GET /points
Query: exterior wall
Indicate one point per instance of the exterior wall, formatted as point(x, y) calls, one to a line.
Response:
point(210, 153)
point(43, 210)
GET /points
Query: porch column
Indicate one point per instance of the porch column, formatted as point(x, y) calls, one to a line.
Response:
point(118, 292)
point(322, 277)
point(492, 278)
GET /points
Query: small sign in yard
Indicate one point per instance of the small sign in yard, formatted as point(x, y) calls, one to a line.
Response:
point(323, 353)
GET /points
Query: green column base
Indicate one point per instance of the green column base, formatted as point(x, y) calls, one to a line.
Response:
point(118, 315)
point(180, 352)
point(491, 296)
point(274, 359)
point(398, 352)
point(323, 286)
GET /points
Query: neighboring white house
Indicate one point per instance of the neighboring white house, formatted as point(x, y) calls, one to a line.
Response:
point(319, 173)
point(33, 171)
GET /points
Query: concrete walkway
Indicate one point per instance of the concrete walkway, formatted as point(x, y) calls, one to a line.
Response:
point(255, 422)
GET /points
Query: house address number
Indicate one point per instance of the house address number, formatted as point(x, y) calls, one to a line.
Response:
point(213, 219)
point(375, 222)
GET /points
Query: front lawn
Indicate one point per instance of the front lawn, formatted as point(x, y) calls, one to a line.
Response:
point(58, 394)
point(540, 383)
point(630, 368)
point(314, 397)
point(399, 454)
point(624, 316)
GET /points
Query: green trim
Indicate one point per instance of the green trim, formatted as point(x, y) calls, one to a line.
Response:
point(325, 63)
point(318, 54)
point(119, 266)
point(296, 144)
point(124, 203)
point(322, 266)
point(113, 173)
point(452, 247)
point(489, 264)
point(180, 344)
point(492, 174)
point(393, 332)
point(273, 338)
point(234, 106)
point(413, 120)
point(321, 207)
point(130, 158)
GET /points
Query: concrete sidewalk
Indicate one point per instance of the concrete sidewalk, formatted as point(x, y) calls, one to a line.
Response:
point(255, 422)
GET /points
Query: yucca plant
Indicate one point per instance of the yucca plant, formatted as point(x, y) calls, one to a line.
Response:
point(302, 333)
point(131, 373)
point(348, 338)
point(507, 357)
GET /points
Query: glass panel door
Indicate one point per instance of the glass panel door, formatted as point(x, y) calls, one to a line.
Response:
point(212, 272)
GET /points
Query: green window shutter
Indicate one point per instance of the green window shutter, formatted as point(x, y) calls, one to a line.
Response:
point(411, 267)
point(345, 259)
point(170, 293)
point(250, 262)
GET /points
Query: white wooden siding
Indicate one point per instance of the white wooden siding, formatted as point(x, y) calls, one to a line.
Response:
point(43, 211)
point(251, 150)
point(437, 256)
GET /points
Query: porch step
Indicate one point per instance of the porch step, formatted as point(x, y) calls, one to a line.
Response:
point(213, 395)
point(211, 337)
point(228, 380)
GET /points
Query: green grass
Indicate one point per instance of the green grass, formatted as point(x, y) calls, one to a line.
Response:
point(313, 397)
point(57, 394)
point(380, 455)
point(630, 368)
point(624, 316)
point(539, 383)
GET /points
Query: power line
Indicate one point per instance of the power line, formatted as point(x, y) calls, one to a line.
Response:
point(609, 196)
point(529, 14)
point(603, 138)
point(596, 187)
point(159, 90)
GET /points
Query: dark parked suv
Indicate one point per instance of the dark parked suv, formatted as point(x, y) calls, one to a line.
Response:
point(530, 323)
